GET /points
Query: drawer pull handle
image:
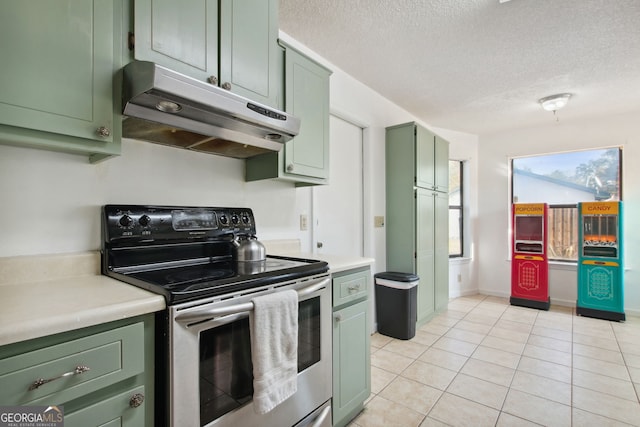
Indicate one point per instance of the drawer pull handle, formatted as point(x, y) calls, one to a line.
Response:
point(354, 288)
point(80, 369)
point(136, 400)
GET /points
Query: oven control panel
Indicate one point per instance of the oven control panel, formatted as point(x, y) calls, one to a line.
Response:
point(131, 224)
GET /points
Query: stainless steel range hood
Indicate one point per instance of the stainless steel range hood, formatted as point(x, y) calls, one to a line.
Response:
point(169, 108)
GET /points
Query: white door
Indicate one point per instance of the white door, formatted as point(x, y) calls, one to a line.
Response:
point(337, 207)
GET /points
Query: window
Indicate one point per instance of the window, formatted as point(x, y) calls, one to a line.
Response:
point(562, 180)
point(455, 209)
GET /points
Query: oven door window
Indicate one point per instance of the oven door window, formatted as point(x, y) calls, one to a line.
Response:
point(226, 380)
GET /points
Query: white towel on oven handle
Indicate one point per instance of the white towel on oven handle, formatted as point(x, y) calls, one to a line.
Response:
point(273, 325)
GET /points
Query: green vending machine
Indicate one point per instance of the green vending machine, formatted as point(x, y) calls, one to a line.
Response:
point(600, 266)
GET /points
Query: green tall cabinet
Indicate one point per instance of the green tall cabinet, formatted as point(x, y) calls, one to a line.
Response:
point(59, 88)
point(417, 211)
point(229, 43)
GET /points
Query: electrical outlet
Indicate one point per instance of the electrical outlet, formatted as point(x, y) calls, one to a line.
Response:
point(459, 278)
point(304, 222)
point(378, 221)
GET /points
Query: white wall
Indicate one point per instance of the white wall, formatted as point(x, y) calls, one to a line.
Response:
point(50, 202)
point(463, 272)
point(493, 205)
point(350, 99)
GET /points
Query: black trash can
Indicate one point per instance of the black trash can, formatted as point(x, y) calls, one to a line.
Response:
point(396, 299)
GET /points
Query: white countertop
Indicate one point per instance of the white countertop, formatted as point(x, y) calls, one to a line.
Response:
point(45, 295)
point(50, 294)
point(338, 263)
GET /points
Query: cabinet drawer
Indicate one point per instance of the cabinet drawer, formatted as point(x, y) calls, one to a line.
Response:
point(111, 356)
point(119, 410)
point(350, 287)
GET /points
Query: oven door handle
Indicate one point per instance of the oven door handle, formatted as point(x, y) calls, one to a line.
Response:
point(319, 422)
point(212, 313)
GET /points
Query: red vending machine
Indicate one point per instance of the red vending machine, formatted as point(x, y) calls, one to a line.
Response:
point(529, 262)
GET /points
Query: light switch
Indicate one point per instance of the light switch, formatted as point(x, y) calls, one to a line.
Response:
point(303, 222)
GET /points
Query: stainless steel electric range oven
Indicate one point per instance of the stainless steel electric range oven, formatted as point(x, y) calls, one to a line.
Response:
point(190, 255)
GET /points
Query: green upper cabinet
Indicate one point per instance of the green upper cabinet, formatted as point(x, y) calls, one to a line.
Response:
point(432, 154)
point(59, 75)
point(305, 159)
point(182, 36)
point(230, 43)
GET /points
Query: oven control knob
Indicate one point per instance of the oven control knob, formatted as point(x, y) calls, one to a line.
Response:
point(223, 219)
point(235, 219)
point(126, 221)
point(144, 220)
point(245, 219)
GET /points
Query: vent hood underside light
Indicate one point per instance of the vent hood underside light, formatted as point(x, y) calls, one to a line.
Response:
point(169, 108)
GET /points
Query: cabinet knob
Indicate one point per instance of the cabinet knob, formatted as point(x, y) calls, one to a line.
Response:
point(338, 317)
point(319, 245)
point(136, 400)
point(213, 80)
point(103, 131)
point(290, 167)
point(226, 86)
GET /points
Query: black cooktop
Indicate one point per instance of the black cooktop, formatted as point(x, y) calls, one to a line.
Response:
point(193, 282)
point(187, 253)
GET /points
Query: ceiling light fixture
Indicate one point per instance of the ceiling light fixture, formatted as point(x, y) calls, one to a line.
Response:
point(554, 102)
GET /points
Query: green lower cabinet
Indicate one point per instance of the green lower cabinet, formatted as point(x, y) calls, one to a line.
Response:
point(351, 347)
point(60, 85)
point(123, 410)
point(102, 375)
point(351, 357)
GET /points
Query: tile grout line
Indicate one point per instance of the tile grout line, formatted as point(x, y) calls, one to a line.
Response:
point(626, 365)
point(573, 313)
point(449, 323)
point(445, 390)
point(458, 371)
point(573, 386)
point(515, 371)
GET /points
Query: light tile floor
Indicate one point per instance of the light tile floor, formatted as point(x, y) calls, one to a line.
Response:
point(484, 362)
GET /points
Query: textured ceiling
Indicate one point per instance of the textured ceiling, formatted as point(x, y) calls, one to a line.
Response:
point(480, 66)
